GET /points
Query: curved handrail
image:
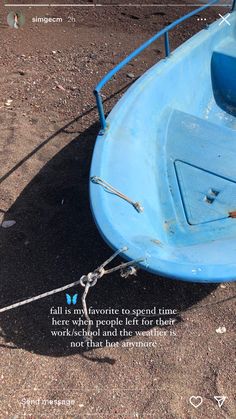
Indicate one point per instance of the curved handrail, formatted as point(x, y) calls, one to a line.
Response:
point(165, 32)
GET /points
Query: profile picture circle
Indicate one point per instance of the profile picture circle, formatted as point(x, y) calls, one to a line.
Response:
point(15, 19)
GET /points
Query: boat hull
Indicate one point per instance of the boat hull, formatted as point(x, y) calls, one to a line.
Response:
point(170, 145)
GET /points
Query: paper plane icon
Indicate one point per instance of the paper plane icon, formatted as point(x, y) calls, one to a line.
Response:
point(220, 400)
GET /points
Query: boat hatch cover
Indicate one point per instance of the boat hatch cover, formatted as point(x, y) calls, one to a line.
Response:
point(206, 196)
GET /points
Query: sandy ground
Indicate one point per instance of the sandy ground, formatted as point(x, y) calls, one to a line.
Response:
point(48, 130)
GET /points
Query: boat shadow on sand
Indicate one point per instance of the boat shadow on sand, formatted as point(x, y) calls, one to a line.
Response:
point(53, 243)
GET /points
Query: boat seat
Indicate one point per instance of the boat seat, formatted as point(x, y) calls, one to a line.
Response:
point(201, 172)
point(200, 142)
point(227, 47)
point(223, 72)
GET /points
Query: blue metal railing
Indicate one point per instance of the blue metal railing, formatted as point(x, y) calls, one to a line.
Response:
point(165, 32)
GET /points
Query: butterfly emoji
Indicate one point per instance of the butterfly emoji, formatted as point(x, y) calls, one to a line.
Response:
point(71, 299)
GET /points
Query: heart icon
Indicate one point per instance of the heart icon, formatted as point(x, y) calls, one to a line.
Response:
point(196, 401)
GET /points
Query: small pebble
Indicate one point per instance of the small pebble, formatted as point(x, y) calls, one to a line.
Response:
point(59, 86)
point(8, 223)
point(130, 75)
point(8, 102)
point(221, 330)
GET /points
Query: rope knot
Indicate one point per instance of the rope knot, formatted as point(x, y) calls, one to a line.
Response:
point(131, 270)
point(92, 277)
point(138, 206)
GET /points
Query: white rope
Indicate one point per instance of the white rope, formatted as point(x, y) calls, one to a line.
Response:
point(39, 297)
point(86, 281)
point(111, 189)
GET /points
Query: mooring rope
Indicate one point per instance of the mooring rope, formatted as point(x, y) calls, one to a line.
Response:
point(111, 189)
point(85, 281)
point(91, 279)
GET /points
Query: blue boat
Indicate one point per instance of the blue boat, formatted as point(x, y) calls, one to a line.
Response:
point(163, 173)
